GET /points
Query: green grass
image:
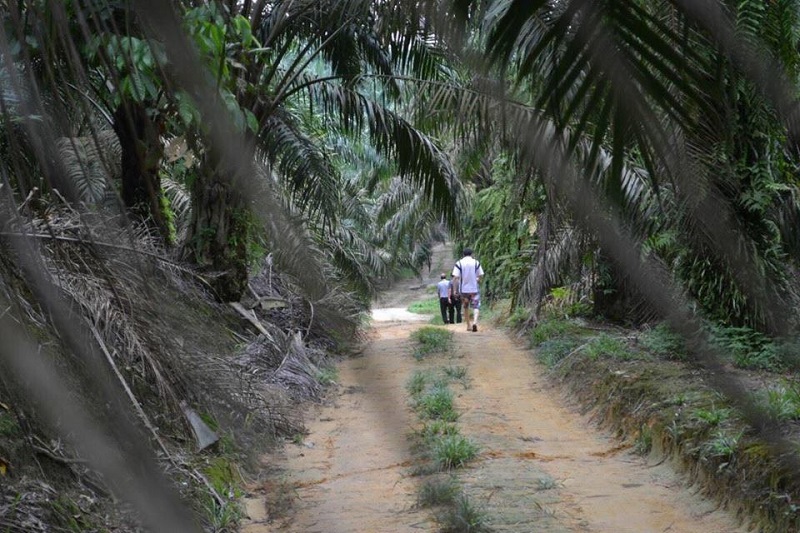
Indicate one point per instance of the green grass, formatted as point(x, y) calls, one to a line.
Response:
point(664, 343)
point(713, 416)
point(463, 516)
point(434, 429)
point(437, 404)
point(430, 340)
point(782, 403)
point(328, 375)
point(425, 307)
point(552, 328)
point(417, 383)
point(553, 351)
point(722, 445)
point(453, 451)
point(437, 492)
point(605, 345)
point(458, 374)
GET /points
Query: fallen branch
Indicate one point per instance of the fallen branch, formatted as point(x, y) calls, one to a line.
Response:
point(145, 419)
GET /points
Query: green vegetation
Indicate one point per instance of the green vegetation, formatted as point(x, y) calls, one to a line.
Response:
point(437, 404)
point(425, 307)
point(430, 340)
point(453, 451)
point(439, 441)
point(330, 144)
point(435, 492)
point(328, 375)
point(8, 424)
point(464, 516)
point(654, 396)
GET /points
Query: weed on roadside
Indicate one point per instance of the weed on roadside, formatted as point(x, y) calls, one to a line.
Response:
point(783, 403)
point(553, 328)
point(606, 345)
point(430, 340)
point(664, 343)
point(453, 451)
point(547, 483)
point(435, 492)
point(553, 351)
point(417, 383)
point(437, 404)
point(457, 373)
point(464, 517)
point(434, 429)
point(328, 375)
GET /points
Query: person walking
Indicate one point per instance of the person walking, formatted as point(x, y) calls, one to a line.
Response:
point(455, 301)
point(476, 309)
point(468, 272)
point(443, 290)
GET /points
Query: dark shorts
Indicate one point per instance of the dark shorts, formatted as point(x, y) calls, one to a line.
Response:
point(467, 298)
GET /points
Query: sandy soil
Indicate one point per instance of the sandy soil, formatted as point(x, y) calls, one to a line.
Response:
point(543, 467)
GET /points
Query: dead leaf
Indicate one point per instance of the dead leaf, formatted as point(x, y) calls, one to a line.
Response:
point(4, 466)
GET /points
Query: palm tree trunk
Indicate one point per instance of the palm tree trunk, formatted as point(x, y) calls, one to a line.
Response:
point(142, 153)
point(218, 235)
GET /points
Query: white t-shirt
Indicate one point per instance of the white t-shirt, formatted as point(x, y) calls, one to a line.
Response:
point(444, 288)
point(468, 270)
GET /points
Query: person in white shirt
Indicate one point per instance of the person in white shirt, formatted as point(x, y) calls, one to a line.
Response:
point(468, 273)
point(443, 289)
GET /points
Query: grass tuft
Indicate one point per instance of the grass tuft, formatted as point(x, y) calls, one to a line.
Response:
point(438, 492)
point(430, 340)
point(453, 451)
point(464, 517)
point(437, 404)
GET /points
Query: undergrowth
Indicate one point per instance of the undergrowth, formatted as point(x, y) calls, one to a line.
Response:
point(660, 400)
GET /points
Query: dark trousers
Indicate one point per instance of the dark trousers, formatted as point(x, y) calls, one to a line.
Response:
point(455, 308)
point(443, 306)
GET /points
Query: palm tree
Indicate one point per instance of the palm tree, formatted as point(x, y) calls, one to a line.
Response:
point(661, 119)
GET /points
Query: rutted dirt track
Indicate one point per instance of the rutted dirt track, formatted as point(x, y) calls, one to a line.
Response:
point(543, 466)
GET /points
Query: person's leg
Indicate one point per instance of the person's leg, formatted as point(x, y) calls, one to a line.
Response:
point(475, 313)
point(451, 307)
point(443, 308)
point(465, 300)
point(458, 309)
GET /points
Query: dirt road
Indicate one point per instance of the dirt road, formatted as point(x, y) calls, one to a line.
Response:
point(543, 467)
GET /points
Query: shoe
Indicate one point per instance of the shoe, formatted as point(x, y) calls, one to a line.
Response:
point(474, 327)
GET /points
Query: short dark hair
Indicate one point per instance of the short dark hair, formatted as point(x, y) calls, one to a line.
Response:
point(467, 251)
point(444, 276)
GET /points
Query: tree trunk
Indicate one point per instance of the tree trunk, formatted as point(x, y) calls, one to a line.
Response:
point(218, 235)
point(142, 153)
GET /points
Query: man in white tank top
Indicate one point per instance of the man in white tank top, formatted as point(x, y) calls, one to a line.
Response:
point(467, 272)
